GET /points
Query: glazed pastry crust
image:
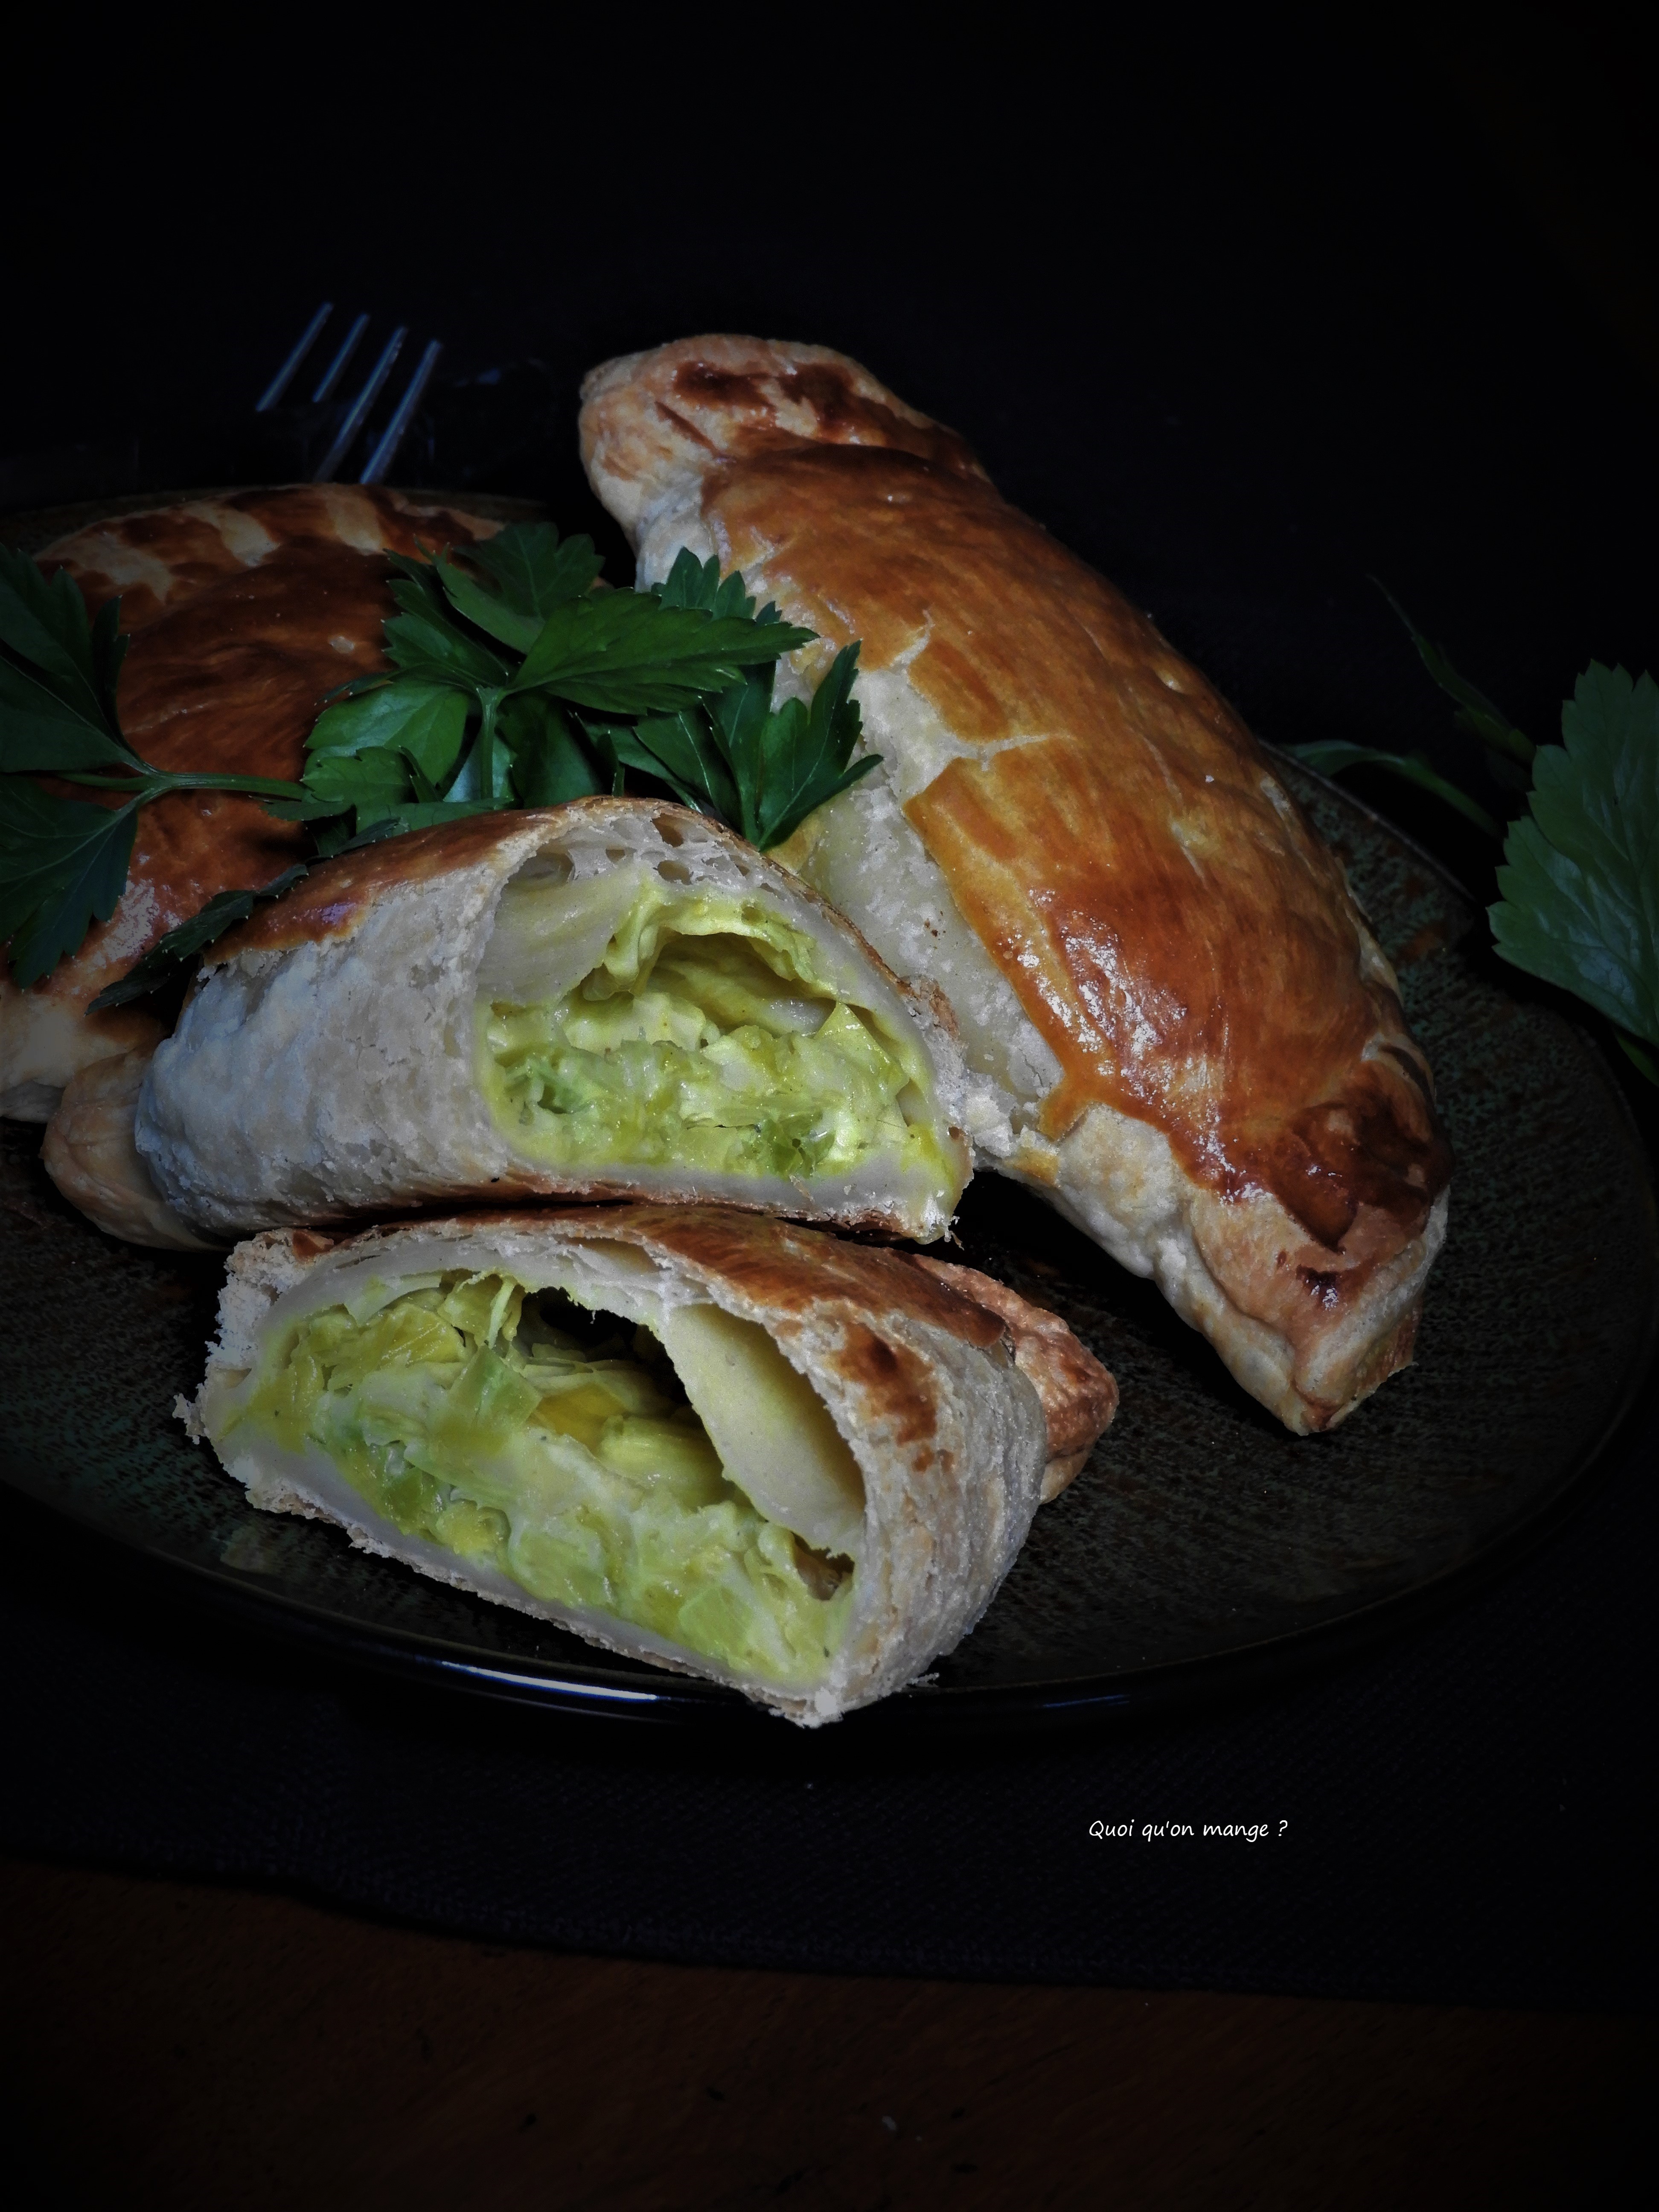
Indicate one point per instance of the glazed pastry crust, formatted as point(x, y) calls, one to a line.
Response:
point(1183, 1031)
point(243, 612)
point(921, 1378)
point(324, 1066)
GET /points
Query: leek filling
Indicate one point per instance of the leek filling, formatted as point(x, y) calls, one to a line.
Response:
point(521, 1433)
point(702, 1037)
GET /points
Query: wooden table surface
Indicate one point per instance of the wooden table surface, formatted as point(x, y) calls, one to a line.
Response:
point(171, 2044)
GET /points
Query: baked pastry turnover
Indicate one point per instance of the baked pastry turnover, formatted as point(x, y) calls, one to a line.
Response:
point(612, 998)
point(722, 1443)
point(1178, 1024)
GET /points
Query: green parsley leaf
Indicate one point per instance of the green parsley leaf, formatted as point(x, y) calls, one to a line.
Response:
point(806, 761)
point(40, 731)
point(426, 793)
point(374, 779)
point(1580, 882)
point(684, 751)
point(744, 719)
point(171, 954)
point(503, 616)
point(548, 762)
point(691, 584)
point(1330, 756)
point(762, 771)
point(435, 736)
point(425, 721)
point(63, 866)
point(533, 572)
point(626, 653)
point(616, 748)
point(487, 610)
point(426, 640)
point(58, 674)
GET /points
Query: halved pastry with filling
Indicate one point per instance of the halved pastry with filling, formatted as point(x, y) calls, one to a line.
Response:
point(615, 997)
point(723, 1443)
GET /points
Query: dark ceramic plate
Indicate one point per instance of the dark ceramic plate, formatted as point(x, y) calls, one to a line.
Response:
point(1200, 1547)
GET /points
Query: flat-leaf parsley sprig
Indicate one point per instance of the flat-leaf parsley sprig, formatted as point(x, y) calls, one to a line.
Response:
point(512, 682)
point(761, 770)
point(1578, 902)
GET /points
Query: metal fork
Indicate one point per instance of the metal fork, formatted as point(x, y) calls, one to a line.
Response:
point(357, 411)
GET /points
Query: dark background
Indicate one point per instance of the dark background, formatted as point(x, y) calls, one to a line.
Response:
point(1245, 314)
point(1241, 315)
point(1244, 317)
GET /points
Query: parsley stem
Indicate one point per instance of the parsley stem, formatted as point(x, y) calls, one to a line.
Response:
point(157, 781)
point(489, 698)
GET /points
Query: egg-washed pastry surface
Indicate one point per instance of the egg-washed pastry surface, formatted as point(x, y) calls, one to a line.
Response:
point(704, 1438)
point(612, 998)
point(1177, 1023)
point(243, 612)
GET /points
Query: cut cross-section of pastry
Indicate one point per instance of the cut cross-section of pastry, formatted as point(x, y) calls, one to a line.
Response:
point(1178, 1024)
point(704, 1438)
point(616, 997)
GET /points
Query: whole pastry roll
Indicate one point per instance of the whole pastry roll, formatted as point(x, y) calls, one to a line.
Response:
point(1178, 1025)
point(717, 1442)
point(612, 998)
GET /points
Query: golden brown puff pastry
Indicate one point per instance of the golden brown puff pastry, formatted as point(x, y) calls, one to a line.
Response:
point(733, 1447)
point(1183, 1031)
point(243, 612)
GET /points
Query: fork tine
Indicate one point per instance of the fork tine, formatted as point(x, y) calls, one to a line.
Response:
point(279, 383)
point(393, 436)
point(337, 367)
point(360, 406)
